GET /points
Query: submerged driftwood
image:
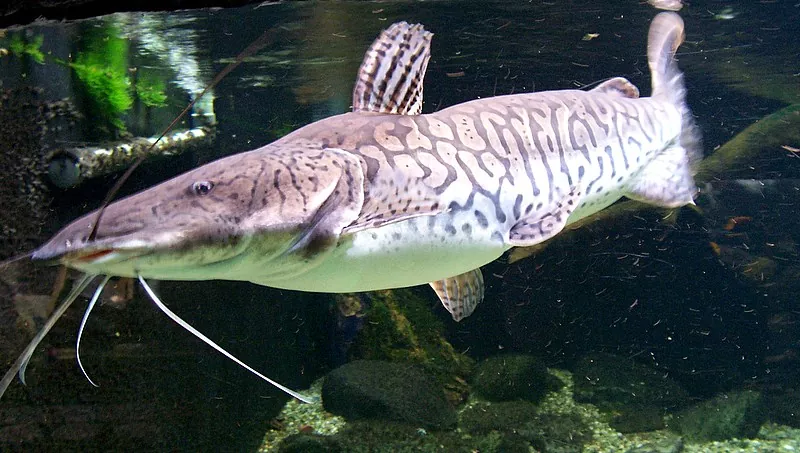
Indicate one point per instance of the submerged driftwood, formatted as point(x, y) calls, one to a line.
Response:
point(760, 151)
point(70, 167)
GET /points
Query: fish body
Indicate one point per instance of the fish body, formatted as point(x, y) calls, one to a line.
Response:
point(387, 197)
point(505, 156)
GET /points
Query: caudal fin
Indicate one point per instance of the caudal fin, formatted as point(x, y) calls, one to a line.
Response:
point(666, 35)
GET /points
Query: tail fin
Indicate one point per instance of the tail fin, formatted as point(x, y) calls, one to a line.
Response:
point(668, 179)
point(666, 35)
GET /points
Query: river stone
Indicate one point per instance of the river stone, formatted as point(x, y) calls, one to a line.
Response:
point(514, 377)
point(374, 389)
point(733, 415)
point(614, 383)
point(309, 443)
point(637, 419)
point(783, 406)
point(507, 416)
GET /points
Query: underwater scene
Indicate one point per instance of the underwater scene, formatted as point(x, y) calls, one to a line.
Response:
point(562, 226)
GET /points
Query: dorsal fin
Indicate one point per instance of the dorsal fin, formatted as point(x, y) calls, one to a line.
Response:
point(390, 77)
point(619, 86)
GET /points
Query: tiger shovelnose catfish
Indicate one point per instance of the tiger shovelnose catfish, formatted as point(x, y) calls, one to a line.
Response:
point(387, 197)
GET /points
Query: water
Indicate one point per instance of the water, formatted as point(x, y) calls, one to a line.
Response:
point(709, 303)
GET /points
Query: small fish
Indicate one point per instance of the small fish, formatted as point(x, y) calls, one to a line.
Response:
point(386, 197)
point(727, 13)
point(733, 222)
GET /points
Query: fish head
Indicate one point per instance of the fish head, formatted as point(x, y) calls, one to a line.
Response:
point(198, 225)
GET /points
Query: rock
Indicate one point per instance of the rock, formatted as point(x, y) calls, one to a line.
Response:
point(505, 416)
point(309, 443)
point(784, 407)
point(373, 389)
point(735, 415)
point(548, 433)
point(638, 419)
point(667, 445)
point(399, 326)
point(513, 443)
point(614, 383)
point(557, 433)
point(514, 377)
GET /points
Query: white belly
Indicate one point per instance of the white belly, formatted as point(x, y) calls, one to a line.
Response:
point(407, 253)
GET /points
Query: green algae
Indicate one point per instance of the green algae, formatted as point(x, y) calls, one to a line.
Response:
point(101, 68)
point(150, 89)
point(32, 49)
point(401, 327)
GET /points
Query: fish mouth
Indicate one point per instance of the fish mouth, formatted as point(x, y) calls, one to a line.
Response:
point(92, 256)
point(96, 254)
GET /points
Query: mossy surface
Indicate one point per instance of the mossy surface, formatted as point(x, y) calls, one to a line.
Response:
point(400, 326)
point(735, 415)
point(380, 390)
point(484, 417)
point(514, 376)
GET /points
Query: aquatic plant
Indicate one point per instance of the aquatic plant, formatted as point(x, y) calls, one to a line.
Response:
point(151, 89)
point(32, 49)
point(101, 66)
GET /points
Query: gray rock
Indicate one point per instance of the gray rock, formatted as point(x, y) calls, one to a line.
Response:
point(557, 433)
point(508, 416)
point(669, 445)
point(309, 443)
point(783, 406)
point(612, 383)
point(373, 389)
point(734, 415)
point(638, 419)
point(514, 377)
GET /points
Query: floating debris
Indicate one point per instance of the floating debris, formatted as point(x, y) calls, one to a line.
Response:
point(70, 167)
point(668, 5)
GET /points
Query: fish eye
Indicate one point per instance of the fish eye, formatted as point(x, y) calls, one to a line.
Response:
point(202, 187)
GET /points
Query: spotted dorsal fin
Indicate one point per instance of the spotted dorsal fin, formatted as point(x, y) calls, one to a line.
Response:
point(460, 294)
point(390, 77)
point(619, 86)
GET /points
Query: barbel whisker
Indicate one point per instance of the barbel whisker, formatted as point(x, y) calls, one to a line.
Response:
point(95, 298)
point(219, 349)
point(21, 364)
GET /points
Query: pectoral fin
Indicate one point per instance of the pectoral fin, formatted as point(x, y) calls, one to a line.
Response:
point(542, 224)
point(342, 206)
point(460, 294)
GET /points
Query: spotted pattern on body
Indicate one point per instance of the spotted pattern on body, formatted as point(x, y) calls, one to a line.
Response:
point(521, 152)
